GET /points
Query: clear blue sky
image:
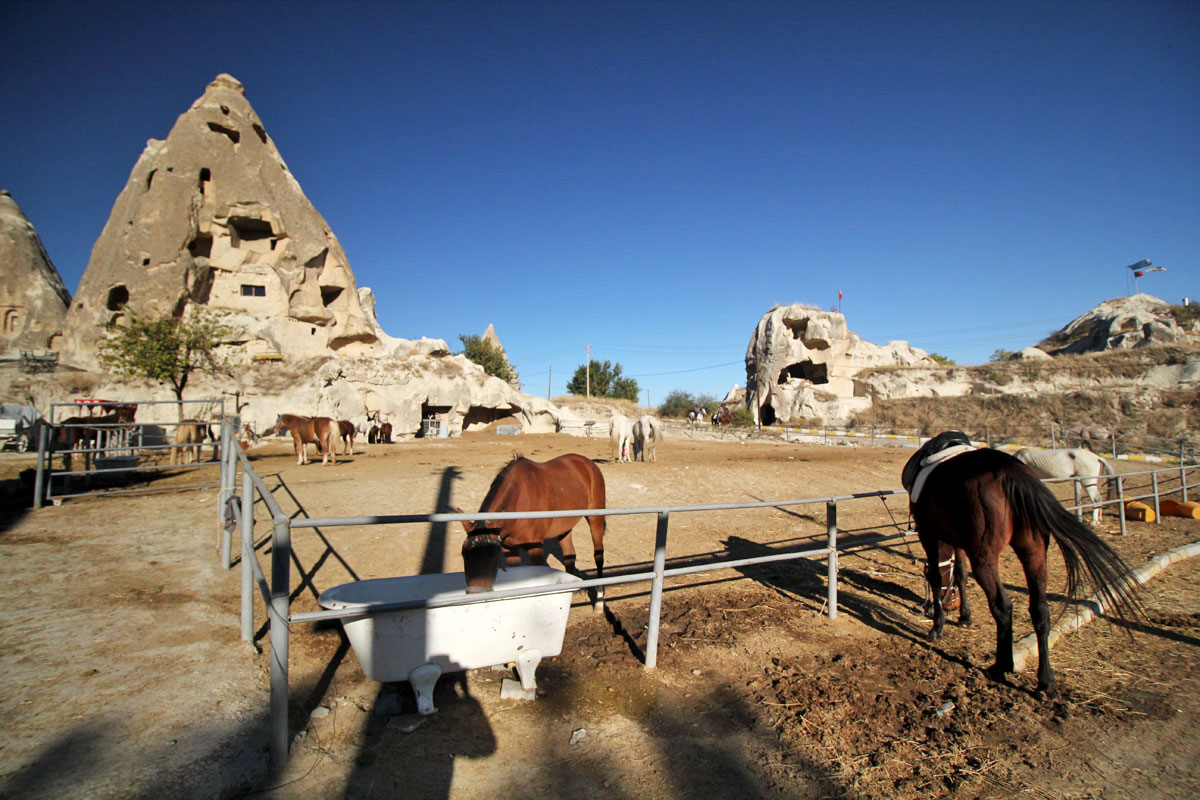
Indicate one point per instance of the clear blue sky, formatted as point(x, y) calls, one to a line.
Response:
point(652, 177)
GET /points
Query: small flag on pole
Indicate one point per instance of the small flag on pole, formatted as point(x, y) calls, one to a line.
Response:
point(839, 294)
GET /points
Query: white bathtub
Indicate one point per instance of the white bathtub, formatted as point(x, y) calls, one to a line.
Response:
point(418, 645)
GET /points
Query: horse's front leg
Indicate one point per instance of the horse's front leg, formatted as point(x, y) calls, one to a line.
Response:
point(933, 575)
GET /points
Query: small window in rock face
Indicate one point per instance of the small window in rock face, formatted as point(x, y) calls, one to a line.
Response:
point(145, 262)
point(250, 290)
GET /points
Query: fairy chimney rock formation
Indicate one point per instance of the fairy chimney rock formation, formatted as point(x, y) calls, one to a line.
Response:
point(801, 363)
point(33, 300)
point(213, 217)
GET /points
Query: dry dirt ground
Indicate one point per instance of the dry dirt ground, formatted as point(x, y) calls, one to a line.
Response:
point(124, 674)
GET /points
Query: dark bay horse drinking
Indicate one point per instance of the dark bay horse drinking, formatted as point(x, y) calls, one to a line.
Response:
point(978, 502)
point(306, 431)
point(565, 483)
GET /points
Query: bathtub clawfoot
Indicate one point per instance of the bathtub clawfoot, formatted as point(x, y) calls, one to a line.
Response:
point(423, 679)
point(527, 663)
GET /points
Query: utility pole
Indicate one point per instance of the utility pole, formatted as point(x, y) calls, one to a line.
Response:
point(549, 381)
point(588, 371)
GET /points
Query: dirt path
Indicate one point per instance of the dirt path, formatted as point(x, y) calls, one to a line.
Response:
point(125, 676)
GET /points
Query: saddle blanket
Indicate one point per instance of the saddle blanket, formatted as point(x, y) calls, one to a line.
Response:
point(930, 462)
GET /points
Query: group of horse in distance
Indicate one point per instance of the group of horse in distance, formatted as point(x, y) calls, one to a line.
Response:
point(635, 440)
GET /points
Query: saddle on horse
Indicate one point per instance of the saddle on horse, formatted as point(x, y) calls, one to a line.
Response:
point(941, 448)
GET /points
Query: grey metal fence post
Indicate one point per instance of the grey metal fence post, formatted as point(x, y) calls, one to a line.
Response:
point(280, 615)
point(1078, 500)
point(832, 570)
point(247, 556)
point(656, 589)
point(1113, 436)
point(228, 482)
point(1053, 439)
point(38, 481)
point(987, 431)
point(1154, 484)
point(1121, 502)
point(1182, 476)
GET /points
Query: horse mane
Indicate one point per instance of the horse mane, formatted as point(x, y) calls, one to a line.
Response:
point(498, 481)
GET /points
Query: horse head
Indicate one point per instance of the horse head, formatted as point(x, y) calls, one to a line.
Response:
point(482, 556)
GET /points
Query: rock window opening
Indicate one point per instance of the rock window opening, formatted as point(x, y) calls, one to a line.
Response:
point(262, 134)
point(150, 179)
point(251, 290)
point(145, 262)
point(232, 133)
point(118, 296)
point(201, 246)
point(205, 177)
point(805, 370)
point(329, 294)
point(11, 318)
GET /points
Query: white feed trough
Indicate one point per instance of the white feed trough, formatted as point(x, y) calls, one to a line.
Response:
point(418, 645)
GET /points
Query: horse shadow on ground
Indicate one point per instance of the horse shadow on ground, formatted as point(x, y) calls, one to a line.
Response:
point(888, 606)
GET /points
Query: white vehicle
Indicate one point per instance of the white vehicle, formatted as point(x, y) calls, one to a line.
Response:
point(18, 426)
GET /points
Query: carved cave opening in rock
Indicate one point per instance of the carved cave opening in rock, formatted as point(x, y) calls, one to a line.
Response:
point(251, 233)
point(766, 414)
point(205, 177)
point(431, 412)
point(201, 245)
point(479, 417)
point(118, 296)
point(260, 132)
point(805, 370)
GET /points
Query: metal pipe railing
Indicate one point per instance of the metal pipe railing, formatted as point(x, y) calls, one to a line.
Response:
point(276, 591)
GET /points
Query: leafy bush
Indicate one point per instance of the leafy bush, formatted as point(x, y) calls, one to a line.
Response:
point(488, 356)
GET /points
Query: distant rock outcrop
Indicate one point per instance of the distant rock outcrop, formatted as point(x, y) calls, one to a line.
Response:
point(33, 300)
point(801, 363)
point(1123, 323)
point(212, 217)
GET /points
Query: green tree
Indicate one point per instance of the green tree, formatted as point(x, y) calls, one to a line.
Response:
point(945, 361)
point(605, 381)
point(677, 405)
point(1001, 355)
point(165, 349)
point(488, 356)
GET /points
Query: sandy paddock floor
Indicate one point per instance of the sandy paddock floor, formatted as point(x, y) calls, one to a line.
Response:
point(126, 677)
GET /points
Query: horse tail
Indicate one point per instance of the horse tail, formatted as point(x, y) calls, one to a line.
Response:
point(1088, 558)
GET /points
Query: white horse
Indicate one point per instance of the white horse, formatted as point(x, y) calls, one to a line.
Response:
point(647, 432)
point(620, 433)
point(1075, 462)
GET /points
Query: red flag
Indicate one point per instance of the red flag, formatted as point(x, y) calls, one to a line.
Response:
point(1138, 274)
point(839, 294)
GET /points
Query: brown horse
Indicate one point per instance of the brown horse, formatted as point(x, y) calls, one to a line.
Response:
point(981, 501)
point(565, 483)
point(191, 434)
point(79, 433)
point(346, 434)
point(306, 431)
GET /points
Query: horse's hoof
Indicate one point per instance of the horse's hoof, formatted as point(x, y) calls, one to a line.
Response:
point(935, 635)
point(997, 673)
